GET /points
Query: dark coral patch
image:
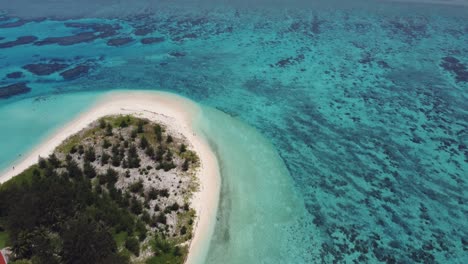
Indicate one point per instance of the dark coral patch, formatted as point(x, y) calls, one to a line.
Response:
point(192, 21)
point(185, 37)
point(421, 256)
point(190, 36)
point(38, 19)
point(451, 60)
point(289, 61)
point(315, 25)
point(383, 64)
point(152, 40)
point(366, 58)
point(295, 26)
point(453, 65)
point(410, 28)
point(99, 31)
point(143, 31)
point(14, 89)
point(75, 72)
point(15, 75)
point(228, 29)
point(107, 34)
point(68, 40)
point(115, 42)
point(103, 30)
point(177, 54)
point(19, 41)
point(17, 23)
point(96, 27)
point(44, 68)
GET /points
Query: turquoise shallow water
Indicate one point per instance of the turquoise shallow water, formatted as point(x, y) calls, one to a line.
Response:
point(259, 213)
point(27, 122)
point(365, 107)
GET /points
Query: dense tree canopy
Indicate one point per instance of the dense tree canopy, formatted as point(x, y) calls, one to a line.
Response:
point(59, 219)
point(71, 206)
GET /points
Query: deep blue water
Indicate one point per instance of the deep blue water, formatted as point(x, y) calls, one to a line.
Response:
point(367, 107)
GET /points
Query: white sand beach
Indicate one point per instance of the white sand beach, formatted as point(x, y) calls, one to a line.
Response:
point(178, 115)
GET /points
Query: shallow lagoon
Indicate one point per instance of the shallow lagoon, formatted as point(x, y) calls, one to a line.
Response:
point(365, 107)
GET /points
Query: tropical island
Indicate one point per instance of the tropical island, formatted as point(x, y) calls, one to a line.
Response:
point(126, 188)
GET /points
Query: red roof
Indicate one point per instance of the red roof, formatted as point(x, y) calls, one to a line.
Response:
point(2, 258)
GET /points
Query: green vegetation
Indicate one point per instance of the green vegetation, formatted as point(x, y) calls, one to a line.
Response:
point(136, 187)
point(104, 158)
point(166, 252)
point(72, 207)
point(89, 170)
point(108, 130)
point(3, 239)
point(133, 245)
point(133, 160)
point(143, 142)
point(106, 144)
point(182, 148)
point(102, 123)
point(185, 224)
point(120, 238)
point(190, 156)
point(140, 125)
point(44, 220)
point(185, 166)
point(158, 132)
point(24, 178)
point(74, 141)
point(90, 155)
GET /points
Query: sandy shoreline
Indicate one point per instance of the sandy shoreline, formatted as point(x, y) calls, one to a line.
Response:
point(178, 114)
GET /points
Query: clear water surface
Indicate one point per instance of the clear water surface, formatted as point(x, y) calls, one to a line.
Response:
point(345, 131)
